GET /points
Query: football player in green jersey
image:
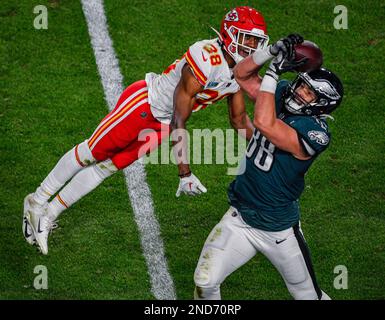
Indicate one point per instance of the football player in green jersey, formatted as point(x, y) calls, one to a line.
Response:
point(290, 133)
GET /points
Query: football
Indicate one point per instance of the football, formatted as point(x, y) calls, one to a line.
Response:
point(312, 52)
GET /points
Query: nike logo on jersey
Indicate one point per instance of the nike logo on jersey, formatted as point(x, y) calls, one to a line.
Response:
point(26, 234)
point(280, 241)
point(203, 57)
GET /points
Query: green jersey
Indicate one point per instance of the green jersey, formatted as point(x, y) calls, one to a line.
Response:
point(267, 193)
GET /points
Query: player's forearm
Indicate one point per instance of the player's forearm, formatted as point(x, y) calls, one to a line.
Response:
point(179, 142)
point(250, 66)
point(246, 69)
point(244, 125)
point(246, 72)
point(264, 112)
point(249, 128)
point(181, 157)
point(179, 117)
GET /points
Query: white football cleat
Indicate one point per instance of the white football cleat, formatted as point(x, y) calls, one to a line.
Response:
point(27, 230)
point(40, 223)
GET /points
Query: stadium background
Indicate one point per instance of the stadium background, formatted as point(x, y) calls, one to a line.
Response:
point(51, 98)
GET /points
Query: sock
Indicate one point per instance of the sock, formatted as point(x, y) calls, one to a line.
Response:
point(70, 164)
point(81, 184)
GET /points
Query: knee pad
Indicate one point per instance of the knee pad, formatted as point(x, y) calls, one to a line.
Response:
point(105, 168)
point(205, 286)
point(205, 277)
point(202, 277)
point(83, 154)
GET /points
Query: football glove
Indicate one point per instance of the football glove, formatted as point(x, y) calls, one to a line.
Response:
point(286, 46)
point(191, 186)
point(280, 65)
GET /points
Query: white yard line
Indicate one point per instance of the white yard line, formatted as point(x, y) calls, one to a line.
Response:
point(135, 175)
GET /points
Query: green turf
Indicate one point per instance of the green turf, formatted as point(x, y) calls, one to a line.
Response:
point(51, 98)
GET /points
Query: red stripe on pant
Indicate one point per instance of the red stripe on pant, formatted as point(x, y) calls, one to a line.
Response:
point(122, 139)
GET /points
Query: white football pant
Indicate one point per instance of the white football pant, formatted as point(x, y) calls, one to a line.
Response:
point(232, 243)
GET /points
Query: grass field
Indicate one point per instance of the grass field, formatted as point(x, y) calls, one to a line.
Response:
point(51, 98)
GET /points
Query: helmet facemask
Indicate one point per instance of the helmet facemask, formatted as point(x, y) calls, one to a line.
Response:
point(294, 103)
point(238, 43)
point(323, 104)
point(237, 27)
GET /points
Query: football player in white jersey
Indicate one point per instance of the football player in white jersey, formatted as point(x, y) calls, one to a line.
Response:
point(162, 103)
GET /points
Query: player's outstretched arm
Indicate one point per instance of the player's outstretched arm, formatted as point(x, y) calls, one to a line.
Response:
point(275, 130)
point(246, 72)
point(184, 99)
point(265, 119)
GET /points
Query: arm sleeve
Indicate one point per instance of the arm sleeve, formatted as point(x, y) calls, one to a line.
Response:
point(199, 62)
point(312, 133)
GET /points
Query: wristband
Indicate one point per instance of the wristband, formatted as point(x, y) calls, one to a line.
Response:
point(269, 84)
point(261, 56)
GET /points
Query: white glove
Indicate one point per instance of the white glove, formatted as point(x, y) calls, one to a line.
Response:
point(191, 186)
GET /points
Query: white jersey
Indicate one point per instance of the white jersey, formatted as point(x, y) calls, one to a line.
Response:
point(208, 64)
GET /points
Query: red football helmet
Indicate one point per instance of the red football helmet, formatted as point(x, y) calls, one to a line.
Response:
point(243, 30)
